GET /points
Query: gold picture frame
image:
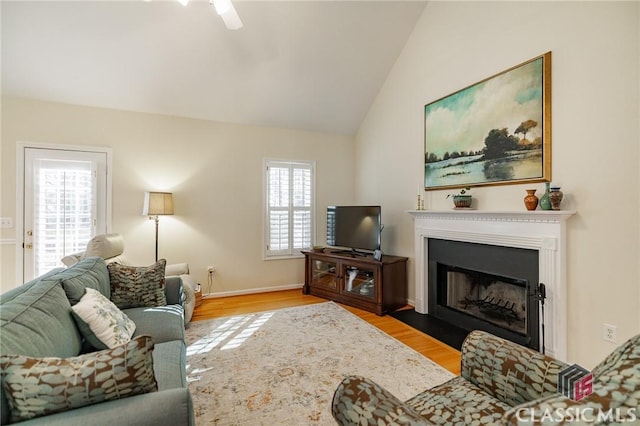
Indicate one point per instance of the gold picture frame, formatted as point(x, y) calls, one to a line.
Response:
point(494, 132)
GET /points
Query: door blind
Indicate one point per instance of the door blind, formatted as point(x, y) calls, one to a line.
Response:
point(65, 210)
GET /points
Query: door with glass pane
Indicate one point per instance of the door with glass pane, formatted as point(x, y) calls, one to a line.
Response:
point(64, 205)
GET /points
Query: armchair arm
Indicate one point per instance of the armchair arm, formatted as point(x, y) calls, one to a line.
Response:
point(176, 269)
point(359, 401)
point(616, 386)
point(510, 372)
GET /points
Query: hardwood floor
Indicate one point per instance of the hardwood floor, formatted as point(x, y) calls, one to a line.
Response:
point(433, 349)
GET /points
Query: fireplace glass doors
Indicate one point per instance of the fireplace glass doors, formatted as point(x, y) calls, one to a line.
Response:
point(498, 300)
point(479, 286)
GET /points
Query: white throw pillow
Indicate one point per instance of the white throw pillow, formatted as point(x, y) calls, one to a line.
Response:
point(103, 322)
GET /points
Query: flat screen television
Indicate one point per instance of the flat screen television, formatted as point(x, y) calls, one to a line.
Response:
point(354, 227)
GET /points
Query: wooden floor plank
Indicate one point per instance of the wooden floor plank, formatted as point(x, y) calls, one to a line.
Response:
point(433, 349)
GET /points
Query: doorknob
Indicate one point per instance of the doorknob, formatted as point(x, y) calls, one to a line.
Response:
point(28, 246)
point(30, 233)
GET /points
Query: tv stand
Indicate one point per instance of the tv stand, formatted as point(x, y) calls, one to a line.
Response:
point(357, 279)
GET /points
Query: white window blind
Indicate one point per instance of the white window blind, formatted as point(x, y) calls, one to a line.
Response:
point(65, 210)
point(289, 207)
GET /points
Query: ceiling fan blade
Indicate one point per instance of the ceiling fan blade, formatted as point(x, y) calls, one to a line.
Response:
point(231, 19)
point(225, 9)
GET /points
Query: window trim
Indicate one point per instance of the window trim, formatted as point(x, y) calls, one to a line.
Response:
point(293, 253)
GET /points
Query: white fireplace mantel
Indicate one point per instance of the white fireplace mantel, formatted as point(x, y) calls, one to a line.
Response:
point(541, 230)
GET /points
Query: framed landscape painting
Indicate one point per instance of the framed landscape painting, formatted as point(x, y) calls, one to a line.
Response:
point(497, 131)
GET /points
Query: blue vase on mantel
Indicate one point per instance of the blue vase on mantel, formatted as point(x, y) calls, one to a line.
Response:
point(545, 202)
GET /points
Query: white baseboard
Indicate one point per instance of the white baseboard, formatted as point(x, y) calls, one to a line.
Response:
point(251, 291)
point(264, 290)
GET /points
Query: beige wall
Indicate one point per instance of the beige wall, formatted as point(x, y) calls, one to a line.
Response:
point(213, 169)
point(596, 105)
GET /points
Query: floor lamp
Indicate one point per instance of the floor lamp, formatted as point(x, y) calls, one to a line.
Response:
point(157, 204)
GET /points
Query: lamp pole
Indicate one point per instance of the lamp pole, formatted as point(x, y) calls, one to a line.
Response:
point(156, 218)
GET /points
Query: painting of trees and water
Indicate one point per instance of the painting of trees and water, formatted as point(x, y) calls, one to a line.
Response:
point(496, 131)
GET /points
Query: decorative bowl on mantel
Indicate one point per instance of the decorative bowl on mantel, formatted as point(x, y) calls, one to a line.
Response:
point(462, 201)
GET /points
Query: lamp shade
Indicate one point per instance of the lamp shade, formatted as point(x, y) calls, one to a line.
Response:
point(157, 203)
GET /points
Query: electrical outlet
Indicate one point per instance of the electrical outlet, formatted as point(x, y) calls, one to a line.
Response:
point(211, 269)
point(6, 222)
point(609, 333)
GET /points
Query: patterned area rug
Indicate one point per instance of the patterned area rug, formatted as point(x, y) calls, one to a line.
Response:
point(282, 367)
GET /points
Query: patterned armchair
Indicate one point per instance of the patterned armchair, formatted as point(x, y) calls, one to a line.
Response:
point(501, 383)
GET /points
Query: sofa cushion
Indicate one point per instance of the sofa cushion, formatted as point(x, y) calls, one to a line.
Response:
point(169, 365)
point(87, 273)
point(163, 323)
point(17, 291)
point(101, 322)
point(47, 329)
point(38, 322)
point(137, 286)
point(41, 386)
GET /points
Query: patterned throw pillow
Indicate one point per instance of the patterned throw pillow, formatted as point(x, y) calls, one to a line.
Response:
point(101, 322)
point(137, 286)
point(40, 386)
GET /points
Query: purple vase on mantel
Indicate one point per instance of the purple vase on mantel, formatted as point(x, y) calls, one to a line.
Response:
point(555, 197)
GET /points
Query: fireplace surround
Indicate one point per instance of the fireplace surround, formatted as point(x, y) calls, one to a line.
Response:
point(541, 231)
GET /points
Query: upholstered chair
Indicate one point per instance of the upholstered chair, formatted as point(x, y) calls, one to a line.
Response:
point(501, 383)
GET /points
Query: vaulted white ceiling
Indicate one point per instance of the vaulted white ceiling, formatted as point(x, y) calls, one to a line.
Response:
point(313, 65)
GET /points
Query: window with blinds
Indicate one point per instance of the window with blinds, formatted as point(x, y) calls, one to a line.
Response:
point(289, 207)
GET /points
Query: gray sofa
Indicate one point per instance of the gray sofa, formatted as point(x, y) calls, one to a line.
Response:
point(36, 321)
point(110, 247)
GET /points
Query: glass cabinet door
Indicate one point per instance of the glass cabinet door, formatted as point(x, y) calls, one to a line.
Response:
point(323, 274)
point(359, 281)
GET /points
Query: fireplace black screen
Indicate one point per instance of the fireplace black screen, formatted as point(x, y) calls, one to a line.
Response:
point(481, 286)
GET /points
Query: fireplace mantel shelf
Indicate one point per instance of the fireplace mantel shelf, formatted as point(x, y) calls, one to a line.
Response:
point(528, 216)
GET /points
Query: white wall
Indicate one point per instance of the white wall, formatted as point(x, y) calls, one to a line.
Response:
point(596, 105)
point(213, 169)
